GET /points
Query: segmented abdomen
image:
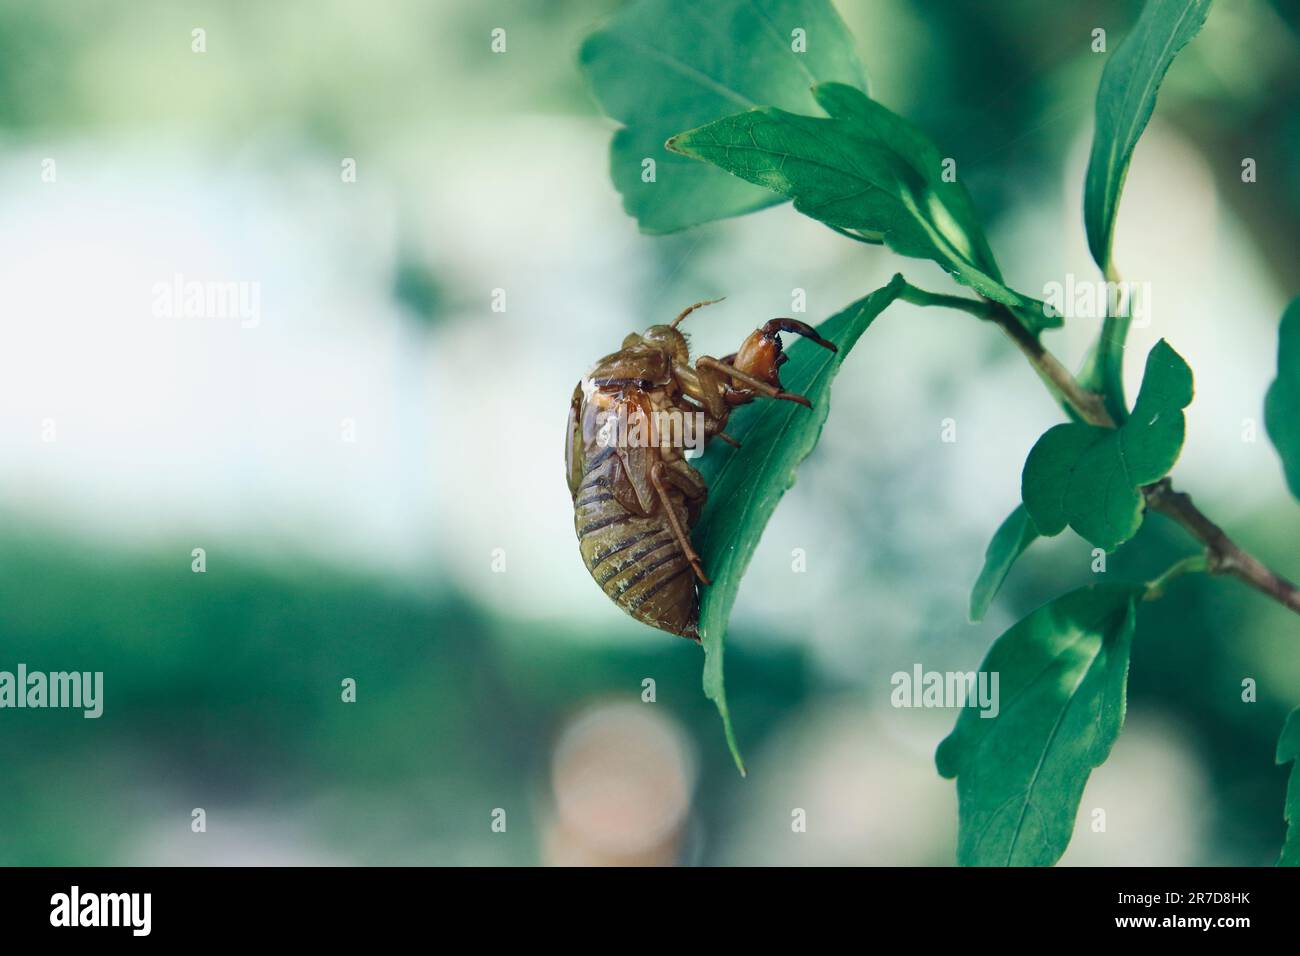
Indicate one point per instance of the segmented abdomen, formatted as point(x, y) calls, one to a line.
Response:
point(634, 558)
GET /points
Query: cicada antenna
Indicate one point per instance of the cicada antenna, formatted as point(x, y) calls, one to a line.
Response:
point(691, 308)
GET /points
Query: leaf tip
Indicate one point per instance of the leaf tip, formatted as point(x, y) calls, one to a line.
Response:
point(734, 747)
point(945, 757)
point(586, 53)
point(677, 144)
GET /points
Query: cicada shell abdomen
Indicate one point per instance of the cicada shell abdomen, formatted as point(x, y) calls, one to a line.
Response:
point(632, 556)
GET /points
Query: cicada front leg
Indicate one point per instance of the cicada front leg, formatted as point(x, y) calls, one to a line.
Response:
point(728, 375)
point(720, 384)
point(712, 382)
point(715, 384)
point(754, 369)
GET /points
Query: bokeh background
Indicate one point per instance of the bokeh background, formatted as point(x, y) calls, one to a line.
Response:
point(374, 558)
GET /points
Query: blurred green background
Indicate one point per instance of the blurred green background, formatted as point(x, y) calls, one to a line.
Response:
point(373, 558)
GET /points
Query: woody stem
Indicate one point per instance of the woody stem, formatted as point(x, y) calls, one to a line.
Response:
point(1222, 555)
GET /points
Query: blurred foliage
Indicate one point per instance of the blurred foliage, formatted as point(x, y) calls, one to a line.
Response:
point(416, 287)
point(222, 690)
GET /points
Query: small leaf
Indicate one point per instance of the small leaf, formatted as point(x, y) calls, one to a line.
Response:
point(1282, 405)
point(866, 170)
point(1062, 674)
point(1009, 542)
point(661, 66)
point(1125, 98)
point(1288, 750)
point(746, 483)
point(1091, 478)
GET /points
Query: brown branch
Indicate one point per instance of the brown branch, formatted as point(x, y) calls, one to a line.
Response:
point(1057, 377)
point(1089, 405)
point(1223, 555)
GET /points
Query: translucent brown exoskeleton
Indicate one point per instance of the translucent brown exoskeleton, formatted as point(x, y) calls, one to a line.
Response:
point(635, 495)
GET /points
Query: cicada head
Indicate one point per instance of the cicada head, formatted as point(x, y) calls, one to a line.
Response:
point(670, 340)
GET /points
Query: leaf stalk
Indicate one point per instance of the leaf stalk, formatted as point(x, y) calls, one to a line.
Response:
point(1192, 564)
point(1110, 349)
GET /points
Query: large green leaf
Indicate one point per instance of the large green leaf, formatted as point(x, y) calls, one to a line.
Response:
point(1015, 534)
point(662, 66)
point(1288, 750)
point(746, 483)
point(1062, 674)
point(1091, 478)
point(953, 211)
point(1282, 405)
point(866, 170)
point(1125, 98)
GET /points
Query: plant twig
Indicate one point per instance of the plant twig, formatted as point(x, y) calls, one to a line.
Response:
point(1222, 554)
point(1191, 564)
point(1087, 405)
point(1110, 347)
point(980, 308)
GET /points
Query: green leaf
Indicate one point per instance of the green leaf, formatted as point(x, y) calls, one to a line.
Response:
point(954, 212)
point(661, 66)
point(1009, 542)
point(1091, 478)
point(1062, 673)
point(1282, 405)
point(746, 483)
point(862, 169)
point(1125, 98)
point(1288, 750)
